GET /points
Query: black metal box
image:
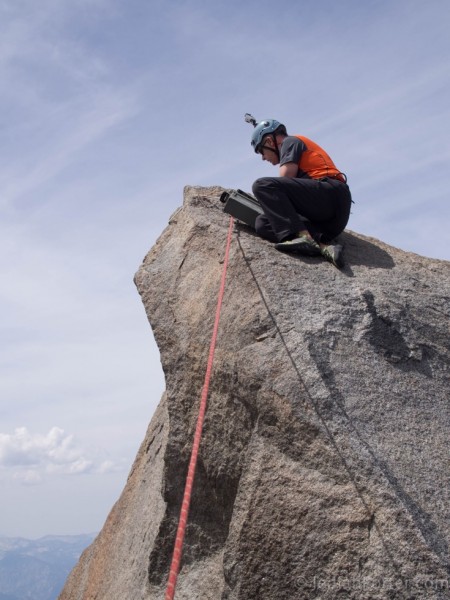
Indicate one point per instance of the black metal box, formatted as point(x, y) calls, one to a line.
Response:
point(242, 206)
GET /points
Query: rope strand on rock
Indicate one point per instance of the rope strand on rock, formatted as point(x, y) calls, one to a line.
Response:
point(178, 548)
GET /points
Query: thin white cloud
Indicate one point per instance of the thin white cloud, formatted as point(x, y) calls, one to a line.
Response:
point(88, 123)
point(31, 457)
point(57, 98)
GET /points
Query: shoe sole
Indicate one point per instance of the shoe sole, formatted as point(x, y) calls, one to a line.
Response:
point(300, 247)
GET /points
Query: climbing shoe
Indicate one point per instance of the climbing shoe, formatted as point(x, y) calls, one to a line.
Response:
point(333, 254)
point(302, 244)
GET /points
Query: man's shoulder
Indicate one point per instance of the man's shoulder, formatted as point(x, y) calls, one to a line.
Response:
point(292, 141)
point(293, 138)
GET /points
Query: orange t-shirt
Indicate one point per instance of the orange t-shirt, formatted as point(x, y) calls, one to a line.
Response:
point(314, 161)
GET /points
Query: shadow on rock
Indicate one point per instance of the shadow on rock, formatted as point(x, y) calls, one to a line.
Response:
point(358, 251)
point(361, 252)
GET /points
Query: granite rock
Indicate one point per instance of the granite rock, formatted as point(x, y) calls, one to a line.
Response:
point(324, 465)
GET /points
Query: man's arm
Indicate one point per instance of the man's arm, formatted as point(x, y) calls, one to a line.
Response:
point(289, 169)
point(290, 153)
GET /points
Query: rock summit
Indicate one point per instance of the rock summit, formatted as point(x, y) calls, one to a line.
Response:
point(324, 464)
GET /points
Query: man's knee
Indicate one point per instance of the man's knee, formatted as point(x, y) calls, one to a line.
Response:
point(260, 185)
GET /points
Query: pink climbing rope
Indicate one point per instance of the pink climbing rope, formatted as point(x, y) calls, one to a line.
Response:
point(177, 552)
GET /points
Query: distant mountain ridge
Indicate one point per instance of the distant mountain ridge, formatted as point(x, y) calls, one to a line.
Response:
point(37, 569)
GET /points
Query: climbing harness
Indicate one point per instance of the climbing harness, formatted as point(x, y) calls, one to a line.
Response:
point(178, 548)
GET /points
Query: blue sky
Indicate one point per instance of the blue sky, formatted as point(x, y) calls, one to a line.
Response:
point(107, 110)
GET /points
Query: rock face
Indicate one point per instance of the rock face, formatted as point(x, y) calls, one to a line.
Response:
point(324, 466)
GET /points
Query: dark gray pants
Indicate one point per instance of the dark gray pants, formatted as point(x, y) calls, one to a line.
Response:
point(322, 206)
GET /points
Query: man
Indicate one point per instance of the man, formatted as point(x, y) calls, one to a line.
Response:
point(308, 205)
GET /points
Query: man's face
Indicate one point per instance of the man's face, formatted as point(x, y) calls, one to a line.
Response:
point(267, 151)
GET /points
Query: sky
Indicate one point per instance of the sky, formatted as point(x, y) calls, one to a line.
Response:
point(107, 110)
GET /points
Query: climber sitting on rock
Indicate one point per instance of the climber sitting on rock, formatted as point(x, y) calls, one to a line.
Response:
point(308, 205)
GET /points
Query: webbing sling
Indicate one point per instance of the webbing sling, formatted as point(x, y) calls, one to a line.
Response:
point(178, 548)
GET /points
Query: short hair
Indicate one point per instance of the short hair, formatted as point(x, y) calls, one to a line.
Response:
point(281, 130)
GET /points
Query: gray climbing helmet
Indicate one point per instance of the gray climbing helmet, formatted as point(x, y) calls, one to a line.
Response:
point(261, 129)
